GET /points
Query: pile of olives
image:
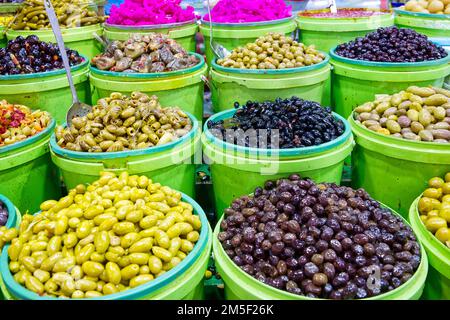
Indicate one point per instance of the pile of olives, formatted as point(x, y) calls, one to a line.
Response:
point(434, 208)
point(418, 113)
point(272, 51)
point(30, 55)
point(18, 122)
point(319, 240)
point(70, 14)
point(392, 44)
point(116, 234)
point(3, 215)
point(279, 124)
point(428, 6)
point(119, 123)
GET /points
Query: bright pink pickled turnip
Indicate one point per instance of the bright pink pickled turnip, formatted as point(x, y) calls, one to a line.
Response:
point(240, 11)
point(150, 12)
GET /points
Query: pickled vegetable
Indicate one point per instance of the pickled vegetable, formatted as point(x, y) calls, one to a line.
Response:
point(99, 262)
point(119, 123)
point(434, 208)
point(152, 53)
point(18, 122)
point(428, 6)
point(272, 51)
point(70, 14)
point(417, 113)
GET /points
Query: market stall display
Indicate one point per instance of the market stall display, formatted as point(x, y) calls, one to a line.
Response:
point(154, 147)
point(421, 114)
point(281, 68)
point(361, 69)
point(394, 154)
point(150, 16)
point(119, 247)
point(78, 20)
point(292, 139)
point(183, 87)
point(426, 214)
point(326, 30)
point(296, 239)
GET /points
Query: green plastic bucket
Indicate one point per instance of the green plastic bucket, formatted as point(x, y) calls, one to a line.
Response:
point(48, 91)
point(27, 174)
point(432, 25)
point(229, 85)
point(241, 286)
point(394, 171)
point(355, 82)
point(80, 39)
point(437, 286)
point(184, 282)
point(182, 32)
point(170, 164)
point(238, 170)
point(326, 33)
point(183, 88)
point(233, 35)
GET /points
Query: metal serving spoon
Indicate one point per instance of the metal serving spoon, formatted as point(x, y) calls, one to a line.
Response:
point(333, 7)
point(218, 49)
point(77, 109)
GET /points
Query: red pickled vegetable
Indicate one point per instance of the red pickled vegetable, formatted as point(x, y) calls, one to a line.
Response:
point(150, 12)
point(241, 11)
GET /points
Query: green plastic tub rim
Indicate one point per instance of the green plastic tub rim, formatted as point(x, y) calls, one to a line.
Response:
point(218, 251)
point(405, 65)
point(278, 152)
point(69, 34)
point(155, 75)
point(313, 67)
point(422, 14)
point(131, 294)
point(30, 140)
point(418, 151)
point(344, 24)
point(124, 154)
point(12, 213)
point(41, 75)
point(431, 243)
point(206, 23)
point(120, 27)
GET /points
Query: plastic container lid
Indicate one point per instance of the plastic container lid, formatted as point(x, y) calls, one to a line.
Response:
point(421, 14)
point(316, 66)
